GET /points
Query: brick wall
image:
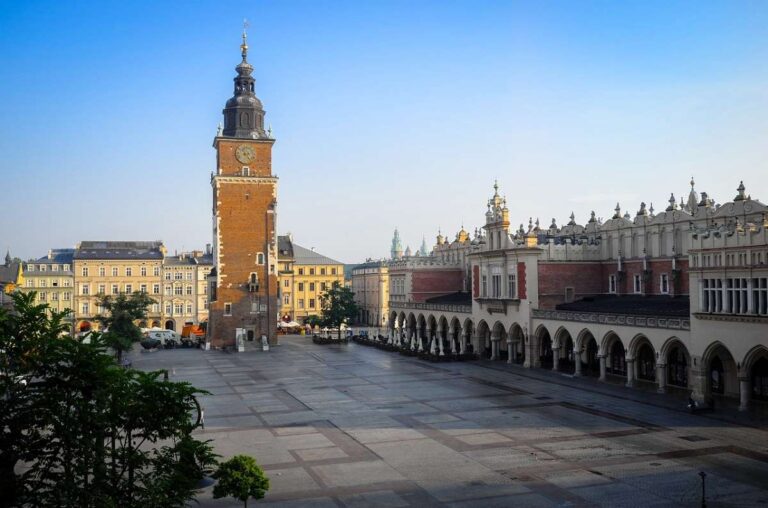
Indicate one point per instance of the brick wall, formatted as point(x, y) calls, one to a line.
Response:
point(428, 283)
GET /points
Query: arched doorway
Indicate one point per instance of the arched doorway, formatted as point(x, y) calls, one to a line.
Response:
point(759, 377)
point(170, 325)
point(155, 324)
point(591, 363)
point(717, 376)
point(646, 362)
point(84, 326)
point(500, 344)
point(518, 344)
point(545, 349)
point(566, 362)
point(617, 362)
point(720, 370)
point(677, 366)
point(482, 340)
point(142, 324)
point(468, 331)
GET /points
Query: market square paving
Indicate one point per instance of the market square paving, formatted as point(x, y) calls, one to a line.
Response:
point(347, 425)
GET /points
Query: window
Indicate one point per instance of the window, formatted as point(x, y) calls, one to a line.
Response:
point(301, 303)
point(496, 282)
point(711, 295)
point(43, 283)
point(66, 296)
point(67, 283)
point(85, 308)
point(177, 275)
point(286, 283)
point(569, 294)
point(168, 290)
point(30, 283)
point(85, 289)
point(168, 308)
point(511, 285)
point(43, 296)
point(128, 271)
point(301, 286)
point(322, 286)
point(260, 258)
point(114, 271)
point(102, 289)
point(143, 271)
point(245, 171)
point(484, 286)
point(129, 289)
point(312, 286)
point(155, 289)
point(286, 299)
point(85, 271)
point(178, 309)
point(311, 303)
point(737, 296)
point(42, 268)
point(102, 271)
point(115, 289)
point(167, 275)
point(760, 296)
point(55, 297)
point(301, 271)
point(156, 271)
point(664, 284)
point(637, 283)
point(612, 284)
point(143, 288)
point(189, 275)
point(205, 302)
point(65, 268)
point(227, 309)
point(189, 308)
point(333, 271)
point(54, 268)
point(311, 271)
point(178, 290)
point(155, 308)
point(188, 289)
point(322, 271)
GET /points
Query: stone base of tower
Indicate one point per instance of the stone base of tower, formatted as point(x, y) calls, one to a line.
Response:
point(249, 315)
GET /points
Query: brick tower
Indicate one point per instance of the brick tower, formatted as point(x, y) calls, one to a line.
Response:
point(243, 283)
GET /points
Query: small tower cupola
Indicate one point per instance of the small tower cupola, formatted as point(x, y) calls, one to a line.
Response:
point(243, 113)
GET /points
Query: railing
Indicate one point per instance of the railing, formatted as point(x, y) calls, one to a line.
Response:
point(437, 307)
point(673, 323)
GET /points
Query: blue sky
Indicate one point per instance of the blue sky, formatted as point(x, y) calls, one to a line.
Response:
point(386, 114)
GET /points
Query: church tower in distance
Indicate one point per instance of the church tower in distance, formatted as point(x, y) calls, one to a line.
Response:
point(243, 284)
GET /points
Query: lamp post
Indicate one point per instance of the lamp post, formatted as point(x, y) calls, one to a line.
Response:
point(703, 476)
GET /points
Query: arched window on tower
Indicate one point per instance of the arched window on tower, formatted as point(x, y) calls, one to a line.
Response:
point(260, 258)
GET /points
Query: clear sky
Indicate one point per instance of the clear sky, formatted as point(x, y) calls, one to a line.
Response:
point(386, 114)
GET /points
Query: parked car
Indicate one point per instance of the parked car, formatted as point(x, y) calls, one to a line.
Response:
point(160, 338)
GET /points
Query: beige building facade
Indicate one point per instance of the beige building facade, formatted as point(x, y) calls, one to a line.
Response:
point(370, 283)
point(52, 278)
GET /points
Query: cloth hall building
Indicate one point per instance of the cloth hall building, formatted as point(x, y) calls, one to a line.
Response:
point(676, 300)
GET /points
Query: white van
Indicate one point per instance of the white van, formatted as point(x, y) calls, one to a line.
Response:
point(167, 338)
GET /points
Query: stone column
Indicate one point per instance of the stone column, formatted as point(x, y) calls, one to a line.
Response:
point(493, 347)
point(661, 378)
point(509, 351)
point(602, 367)
point(577, 362)
point(555, 359)
point(630, 372)
point(744, 393)
point(452, 334)
point(421, 339)
point(463, 344)
point(442, 343)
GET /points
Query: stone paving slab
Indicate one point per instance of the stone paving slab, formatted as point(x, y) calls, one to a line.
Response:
point(349, 426)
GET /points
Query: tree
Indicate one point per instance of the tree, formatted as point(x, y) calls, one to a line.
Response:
point(240, 477)
point(77, 430)
point(119, 319)
point(338, 305)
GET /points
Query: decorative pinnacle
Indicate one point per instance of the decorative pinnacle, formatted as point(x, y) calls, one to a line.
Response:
point(495, 187)
point(692, 183)
point(244, 45)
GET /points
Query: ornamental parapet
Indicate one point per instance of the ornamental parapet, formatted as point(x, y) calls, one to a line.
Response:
point(672, 323)
point(436, 307)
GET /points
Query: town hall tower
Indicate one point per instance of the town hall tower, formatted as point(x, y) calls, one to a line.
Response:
point(243, 284)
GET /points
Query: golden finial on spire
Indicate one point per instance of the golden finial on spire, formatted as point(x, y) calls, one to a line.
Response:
point(244, 45)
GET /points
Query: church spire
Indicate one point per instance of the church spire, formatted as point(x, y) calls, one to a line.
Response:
point(244, 113)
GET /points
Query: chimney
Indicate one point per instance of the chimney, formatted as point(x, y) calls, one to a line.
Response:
point(208, 248)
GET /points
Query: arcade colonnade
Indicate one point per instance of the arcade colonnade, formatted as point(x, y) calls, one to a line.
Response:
point(631, 355)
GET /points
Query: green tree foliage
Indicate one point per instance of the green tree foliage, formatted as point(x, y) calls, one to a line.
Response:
point(77, 430)
point(339, 306)
point(240, 477)
point(121, 314)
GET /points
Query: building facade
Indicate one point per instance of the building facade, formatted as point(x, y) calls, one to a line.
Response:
point(370, 283)
point(243, 290)
point(53, 279)
point(305, 276)
point(675, 300)
point(185, 289)
point(113, 268)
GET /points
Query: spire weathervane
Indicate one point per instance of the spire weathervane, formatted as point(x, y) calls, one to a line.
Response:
point(244, 45)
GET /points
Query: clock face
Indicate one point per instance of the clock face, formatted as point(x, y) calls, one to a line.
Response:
point(245, 154)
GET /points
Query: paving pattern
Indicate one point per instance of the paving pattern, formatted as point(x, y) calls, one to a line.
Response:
point(354, 426)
